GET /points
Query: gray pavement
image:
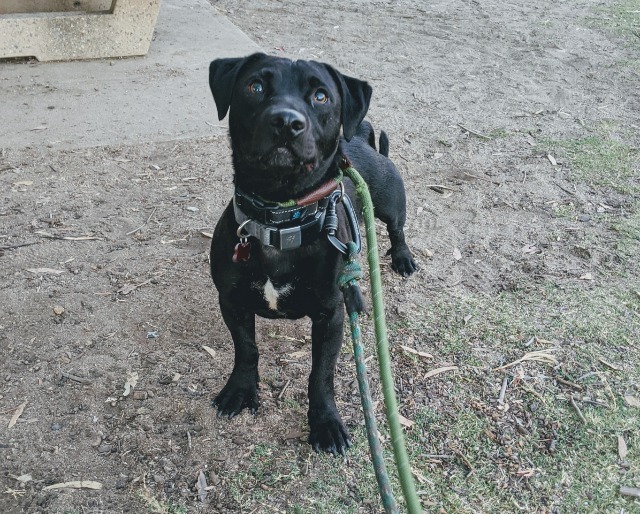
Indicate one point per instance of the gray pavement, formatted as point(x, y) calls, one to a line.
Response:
point(161, 96)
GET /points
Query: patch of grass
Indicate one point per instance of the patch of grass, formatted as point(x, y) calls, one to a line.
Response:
point(499, 133)
point(600, 160)
point(155, 506)
point(621, 18)
point(534, 451)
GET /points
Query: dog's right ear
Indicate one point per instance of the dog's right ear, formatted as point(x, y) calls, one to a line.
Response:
point(222, 79)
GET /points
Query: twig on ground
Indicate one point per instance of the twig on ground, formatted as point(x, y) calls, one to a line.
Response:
point(577, 409)
point(566, 190)
point(477, 134)
point(13, 247)
point(503, 389)
point(144, 224)
point(435, 187)
point(570, 384)
point(478, 177)
point(76, 378)
point(284, 389)
point(464, 459)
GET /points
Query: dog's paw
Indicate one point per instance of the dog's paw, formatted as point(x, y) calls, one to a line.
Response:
point(327, 433)
point(241, 391)
point(401, 260)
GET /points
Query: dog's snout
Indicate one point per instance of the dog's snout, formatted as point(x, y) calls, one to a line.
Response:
point(288, 122)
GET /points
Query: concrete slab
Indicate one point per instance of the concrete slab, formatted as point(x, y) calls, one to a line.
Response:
point(162, 96)
point(126, 29)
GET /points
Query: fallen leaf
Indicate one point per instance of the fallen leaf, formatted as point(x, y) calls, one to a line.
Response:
point(530, 249)
point(622, 448)
point(456, 254)
point(539, 356)
point(630, 491)
point(209, 350)
point(81, 238)
point(609, 365)
point(18, 412)
point(154, 167)
point(76, 484)
point(416, 352)
point(127, 288)
point(552, 160)
point(586, 276)
point(206, 234)
point(437, 371)
point(299, 355)
point(122, 159)
point(23, 183)
point(130, 384)
point(58, 310)
point(40, 127)
point(632, 401)
point(406, 422)
point(24, 478)
point(44, 271)
point(419, 476)
point(201, 485)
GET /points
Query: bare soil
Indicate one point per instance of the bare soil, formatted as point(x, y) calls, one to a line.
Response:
point(104, 266)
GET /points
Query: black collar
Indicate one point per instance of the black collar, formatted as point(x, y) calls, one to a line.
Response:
point(285, 225)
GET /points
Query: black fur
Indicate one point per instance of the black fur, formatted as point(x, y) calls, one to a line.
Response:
point(286, 141)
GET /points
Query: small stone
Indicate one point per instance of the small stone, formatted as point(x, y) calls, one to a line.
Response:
point(58, 310)
point(105, 448)
point(140, 395)
point(584, 218)
point(56, 427)
point(193, 209)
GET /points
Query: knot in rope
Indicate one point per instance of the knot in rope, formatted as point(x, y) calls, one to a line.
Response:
point(351, 272)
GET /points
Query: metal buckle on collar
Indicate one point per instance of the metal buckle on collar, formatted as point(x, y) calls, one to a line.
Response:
point(286, 238)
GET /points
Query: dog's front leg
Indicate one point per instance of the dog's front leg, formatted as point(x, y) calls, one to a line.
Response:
point(327, 432)
point(242, 387)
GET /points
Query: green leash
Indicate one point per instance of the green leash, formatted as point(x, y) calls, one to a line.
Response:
point(382, 347)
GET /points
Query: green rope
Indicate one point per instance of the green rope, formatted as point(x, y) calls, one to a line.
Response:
point(386, 377)
point(349, 277)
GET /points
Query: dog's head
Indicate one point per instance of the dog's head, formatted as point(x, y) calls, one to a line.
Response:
point(285, 118)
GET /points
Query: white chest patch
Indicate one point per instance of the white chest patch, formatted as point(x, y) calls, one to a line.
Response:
point(271, 294)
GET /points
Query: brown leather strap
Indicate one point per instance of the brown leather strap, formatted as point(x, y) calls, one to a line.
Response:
point(318, 194)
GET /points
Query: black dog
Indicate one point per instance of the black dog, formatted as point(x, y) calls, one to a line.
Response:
point(270, 253)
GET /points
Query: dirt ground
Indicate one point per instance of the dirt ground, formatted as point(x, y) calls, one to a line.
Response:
point(516, 128)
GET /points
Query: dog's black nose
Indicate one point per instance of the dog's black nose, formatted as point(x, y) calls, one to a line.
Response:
point(288, 122)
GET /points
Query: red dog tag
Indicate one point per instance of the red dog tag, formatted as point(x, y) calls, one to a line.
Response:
point(241, 252)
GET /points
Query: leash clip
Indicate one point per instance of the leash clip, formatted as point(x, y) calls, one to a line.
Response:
point(331, 221)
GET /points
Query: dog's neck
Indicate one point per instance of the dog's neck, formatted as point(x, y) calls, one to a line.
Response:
point(275, 187)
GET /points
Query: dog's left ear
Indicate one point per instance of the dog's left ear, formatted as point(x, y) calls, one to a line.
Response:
point(222, 78)
point(356, 95)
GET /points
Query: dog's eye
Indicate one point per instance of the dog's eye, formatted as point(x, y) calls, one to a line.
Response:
point(320, 96)
point(256, 87)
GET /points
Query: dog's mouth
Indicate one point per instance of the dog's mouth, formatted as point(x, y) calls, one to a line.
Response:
point(285, 158)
